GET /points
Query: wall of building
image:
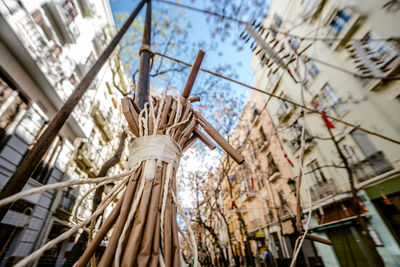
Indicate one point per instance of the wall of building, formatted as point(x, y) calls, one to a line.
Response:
point(43, 69)
point(371, 104)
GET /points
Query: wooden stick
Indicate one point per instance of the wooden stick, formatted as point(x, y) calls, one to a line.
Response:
point(186, 133)
point(135, 106)
point(164, 114)
point(185, 114)
point(93, 246)
point(194, 99)
point(213, 133)
point(203, 138)
point(319, 239)
point(193, 74)
point(189, 142)
point(108, 254)
point(129, 113)
point(172, 113)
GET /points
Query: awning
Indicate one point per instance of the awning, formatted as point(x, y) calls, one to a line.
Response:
point(337, 223)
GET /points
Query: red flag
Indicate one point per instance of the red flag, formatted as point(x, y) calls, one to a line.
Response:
point(327, 122)
point(287, 158)
point(252, 183)
point(217, 216)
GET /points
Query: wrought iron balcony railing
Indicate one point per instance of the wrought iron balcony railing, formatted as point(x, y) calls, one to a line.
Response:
point(371, 166)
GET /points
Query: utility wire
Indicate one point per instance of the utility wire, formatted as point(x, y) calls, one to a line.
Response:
point(285, 99)
point(301, 38)
point(223, 17)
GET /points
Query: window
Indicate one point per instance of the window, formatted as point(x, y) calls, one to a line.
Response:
point(312, 68)
point(316, 173)
point(260, 181)
point(282, 199)
point(277, 24)
point(333, 99)
point(31, 124)
point(295, 142)
point(277, 20)
point(69, 10)
point(363, 142)
point(262, 134)
point(294, 42)
point(339, 22)
point(374, 162)
point(68, 200)
point(271, 164)
point(283, 108)
point(380, 49)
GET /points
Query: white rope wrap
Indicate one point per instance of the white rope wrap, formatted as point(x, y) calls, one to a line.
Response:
point(154, 147)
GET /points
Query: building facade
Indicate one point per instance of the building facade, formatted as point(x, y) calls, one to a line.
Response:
point(46, 48)
point(344, 55)
point(261, 192)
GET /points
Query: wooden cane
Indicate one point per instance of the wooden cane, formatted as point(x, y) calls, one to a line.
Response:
point(193, 74)
point(203, 138)
point(104, 229)
point(213, 133)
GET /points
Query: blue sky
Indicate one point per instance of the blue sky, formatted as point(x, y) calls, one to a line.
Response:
point(225, 51)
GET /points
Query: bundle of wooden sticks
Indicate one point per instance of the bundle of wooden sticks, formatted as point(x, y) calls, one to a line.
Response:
point(145, 231)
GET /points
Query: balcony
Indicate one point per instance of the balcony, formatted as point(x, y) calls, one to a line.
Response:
point(86, 160)
point(311, 9)
point(375, 57)
point(322, 189)
point(88, 9)
point(251, 193)
point(247, 195)
point(102, 121)
point(295, 143)
point(62, 16)
point(370, 167)
point(263, 145)
point(66, 206)
point(254, 224)
point(45, 52)
point(274, 176)
point(285, 112)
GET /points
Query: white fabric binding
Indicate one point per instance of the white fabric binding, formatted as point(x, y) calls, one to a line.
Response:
point(154, 148)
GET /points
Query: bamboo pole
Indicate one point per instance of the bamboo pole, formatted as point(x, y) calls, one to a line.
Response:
point(24, 170)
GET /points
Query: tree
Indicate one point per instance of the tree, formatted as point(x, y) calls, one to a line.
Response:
point(201, 206)
point(81, 244)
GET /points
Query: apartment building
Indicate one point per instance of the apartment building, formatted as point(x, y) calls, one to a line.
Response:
point(46, 48)
point(263, 191)
point(345, 71)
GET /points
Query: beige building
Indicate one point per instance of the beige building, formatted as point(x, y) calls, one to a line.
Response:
point(346, 73)
point(262, 189)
